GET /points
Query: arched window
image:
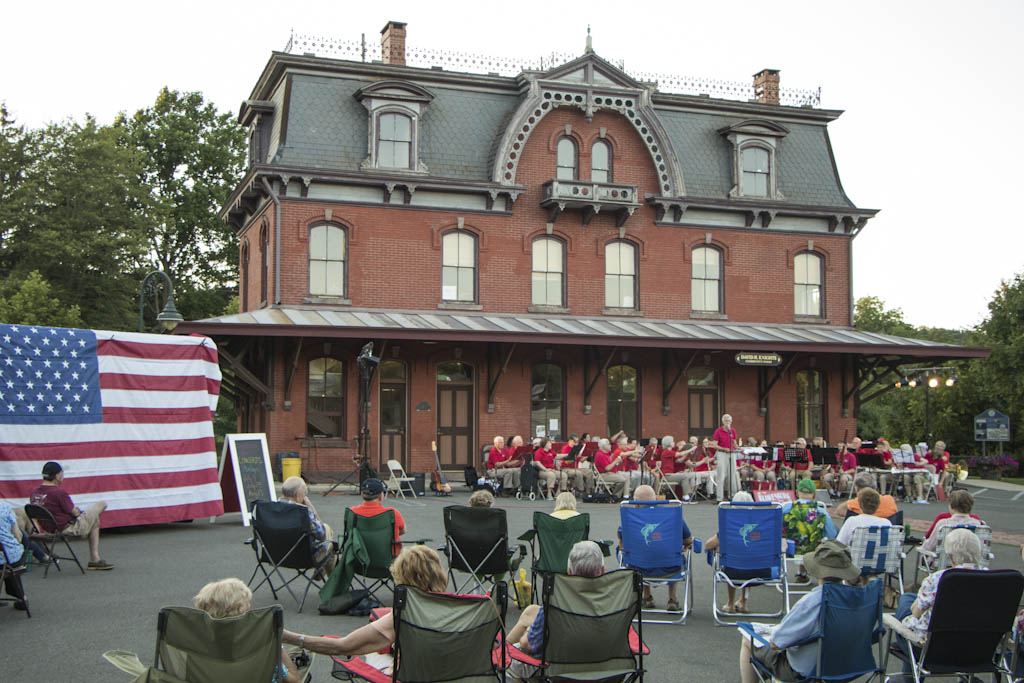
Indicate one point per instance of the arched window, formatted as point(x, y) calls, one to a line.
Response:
point(566, 159)
point(243, 279)
point(458, 266)
point(601, 162)
point(546, 400)
point(624, 400)
point(620, 275)
point(807, 288)
point(394, 141)
point(325, 403)
point(756, 172)
point(810, 404)
point(328, 255)
point(548, 274)
point(264, 262)
point(706, 280)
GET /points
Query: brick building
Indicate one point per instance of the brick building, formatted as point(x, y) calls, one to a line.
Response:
point(565, 250)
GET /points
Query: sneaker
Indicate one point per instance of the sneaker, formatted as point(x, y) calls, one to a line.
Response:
point(20, 604)
point(920, 502)
point(102, 565)
point(686, 499)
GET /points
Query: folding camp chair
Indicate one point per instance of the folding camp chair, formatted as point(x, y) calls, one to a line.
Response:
point(878, 551)
point(398, 480)
point(652, 542)
point(283, 538)
point(962, 639)
point(550, 541)
point(476, 542)
point(193, 647)
point(933, 560)
point(440, 637)
point(849, 628)
point(749, 553)
point(376, 535)
point(41, 519)
point(588, 629)
point(11, 573)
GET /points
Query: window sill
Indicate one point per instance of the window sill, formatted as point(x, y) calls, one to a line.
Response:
point(707, 315)
point(333, 300)
point(811, 319)
point(623, 311)
point(547, 309)
point(325, 443)
point(459, 306)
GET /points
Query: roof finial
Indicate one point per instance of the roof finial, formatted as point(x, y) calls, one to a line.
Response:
point(590, 45)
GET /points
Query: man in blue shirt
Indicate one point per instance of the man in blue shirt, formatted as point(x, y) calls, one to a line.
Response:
point(786, 660)
point(10, 538)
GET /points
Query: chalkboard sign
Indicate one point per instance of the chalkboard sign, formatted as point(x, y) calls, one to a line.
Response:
point(245, 474)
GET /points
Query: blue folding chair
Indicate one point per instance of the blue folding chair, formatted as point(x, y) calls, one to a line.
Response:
point(652, 542)
point(849, 629)
point(749, 554)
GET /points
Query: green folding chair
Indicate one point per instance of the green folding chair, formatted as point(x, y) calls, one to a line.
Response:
point(550, 541)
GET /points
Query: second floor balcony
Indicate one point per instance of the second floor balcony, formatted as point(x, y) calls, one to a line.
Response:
point(590, 198)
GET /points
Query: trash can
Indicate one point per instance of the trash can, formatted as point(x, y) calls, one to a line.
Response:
point(419, 483)
point(290, 467)
point(281, 455)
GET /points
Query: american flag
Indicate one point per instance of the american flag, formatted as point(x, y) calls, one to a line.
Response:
point(128, 416)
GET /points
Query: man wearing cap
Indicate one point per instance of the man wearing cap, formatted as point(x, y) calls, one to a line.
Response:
point(786, 660)
point(295, 491)
point(373, 491)
point(70, 519)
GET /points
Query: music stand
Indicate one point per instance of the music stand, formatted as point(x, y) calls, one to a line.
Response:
point(367, 364)
point(824, 456)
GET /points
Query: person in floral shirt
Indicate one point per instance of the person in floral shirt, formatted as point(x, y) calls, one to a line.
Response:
point(806, 522)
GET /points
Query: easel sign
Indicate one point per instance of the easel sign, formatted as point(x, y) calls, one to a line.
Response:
point(244, 473)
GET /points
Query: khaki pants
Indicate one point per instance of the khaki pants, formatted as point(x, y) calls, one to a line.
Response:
point(548, 477)
point(723, 471)
point(580, 480)
point(509, 477)
point(83, 525)
point(843, 479)
point(617, 482)
point(684, 479)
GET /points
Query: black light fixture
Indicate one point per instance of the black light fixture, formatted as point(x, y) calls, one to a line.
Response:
point(169, 316)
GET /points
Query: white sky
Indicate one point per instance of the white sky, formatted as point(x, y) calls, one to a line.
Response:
point(932, 93)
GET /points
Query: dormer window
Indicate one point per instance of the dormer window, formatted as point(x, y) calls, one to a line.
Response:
point(396, 110)
point(755, 146)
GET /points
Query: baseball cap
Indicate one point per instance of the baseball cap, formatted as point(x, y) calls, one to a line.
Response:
point(805, 485)
point(373, 486)
point(51, 470)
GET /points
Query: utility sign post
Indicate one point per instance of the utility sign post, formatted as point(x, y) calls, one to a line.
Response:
point(991, 425)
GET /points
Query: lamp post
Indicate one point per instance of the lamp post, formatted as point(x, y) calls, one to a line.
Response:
point(169, 316)
point(929, 377)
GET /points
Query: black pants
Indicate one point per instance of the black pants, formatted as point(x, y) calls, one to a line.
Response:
point(12, 582)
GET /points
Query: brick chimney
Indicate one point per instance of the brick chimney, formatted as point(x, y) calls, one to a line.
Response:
point(392, 43)
point(766, 85)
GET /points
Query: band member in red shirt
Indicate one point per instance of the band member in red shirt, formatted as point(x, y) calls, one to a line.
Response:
point(501, 465)
point(607, 466)
point(544, 461)
point(672, 464)
point(725, 440)
point(938, 462)
point(841, 473)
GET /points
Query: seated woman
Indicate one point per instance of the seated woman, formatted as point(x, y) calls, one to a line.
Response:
point(734, 604)
point(960, 505)
point(963, 549)
point(481, 498)
point(565, 506)
point(232, 598)
point(417, 566)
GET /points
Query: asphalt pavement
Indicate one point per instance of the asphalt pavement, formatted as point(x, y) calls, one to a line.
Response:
point(75, 617)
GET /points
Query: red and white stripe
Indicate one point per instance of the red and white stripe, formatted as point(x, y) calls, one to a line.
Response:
point(153, 458)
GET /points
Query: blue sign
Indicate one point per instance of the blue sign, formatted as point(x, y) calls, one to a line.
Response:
point(991, 425)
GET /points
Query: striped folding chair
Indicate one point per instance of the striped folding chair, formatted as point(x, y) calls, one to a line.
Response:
point(878, 551)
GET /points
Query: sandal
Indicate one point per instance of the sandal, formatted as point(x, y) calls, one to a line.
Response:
point(728, 608)
point(648, 602)
point(673, 605)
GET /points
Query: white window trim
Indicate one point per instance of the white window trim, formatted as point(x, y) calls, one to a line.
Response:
point(394, 98)
point(766, 135)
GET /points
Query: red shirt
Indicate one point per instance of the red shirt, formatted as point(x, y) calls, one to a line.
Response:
point(887, 460)
point(495, 457)
point(849, 461)
point(668, 460)
point(940, 462)
point(57, 501)
point(546, 458)
point(566, 462)
point(699, 455)
point(372, 508)
point(602, 460)
point(724, 438)
point(941, 516)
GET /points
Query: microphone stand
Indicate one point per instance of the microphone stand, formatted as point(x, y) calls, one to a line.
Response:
point(367, 364)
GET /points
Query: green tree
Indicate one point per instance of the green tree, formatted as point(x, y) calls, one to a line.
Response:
point(190, 156)
point(71, 217)
point(32, 302)
point(15, 159)
point(870, 315)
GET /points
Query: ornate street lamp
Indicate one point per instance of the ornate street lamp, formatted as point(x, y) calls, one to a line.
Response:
point(169, 316)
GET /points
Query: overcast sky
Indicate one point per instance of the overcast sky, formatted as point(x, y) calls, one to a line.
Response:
point(932, 93)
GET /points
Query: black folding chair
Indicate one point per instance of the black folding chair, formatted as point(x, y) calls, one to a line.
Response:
point(42, 520)
point(10, 574)
point(476, 542)
point(283, 538)
point(973, 612)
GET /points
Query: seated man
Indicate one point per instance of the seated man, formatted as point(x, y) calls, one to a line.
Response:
point(916, 482)
point(868, 500)
point(938, 463)
point(807, 524)
point(782, 657)
point(673, 466)
point(69, 518)
point(645, 492)
point(373, 491)
point(585, 559)
point(294, 491)
point(960, 505)
point(886, 508)
point(608, 467)
point(837, 477)
point(500, 465)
